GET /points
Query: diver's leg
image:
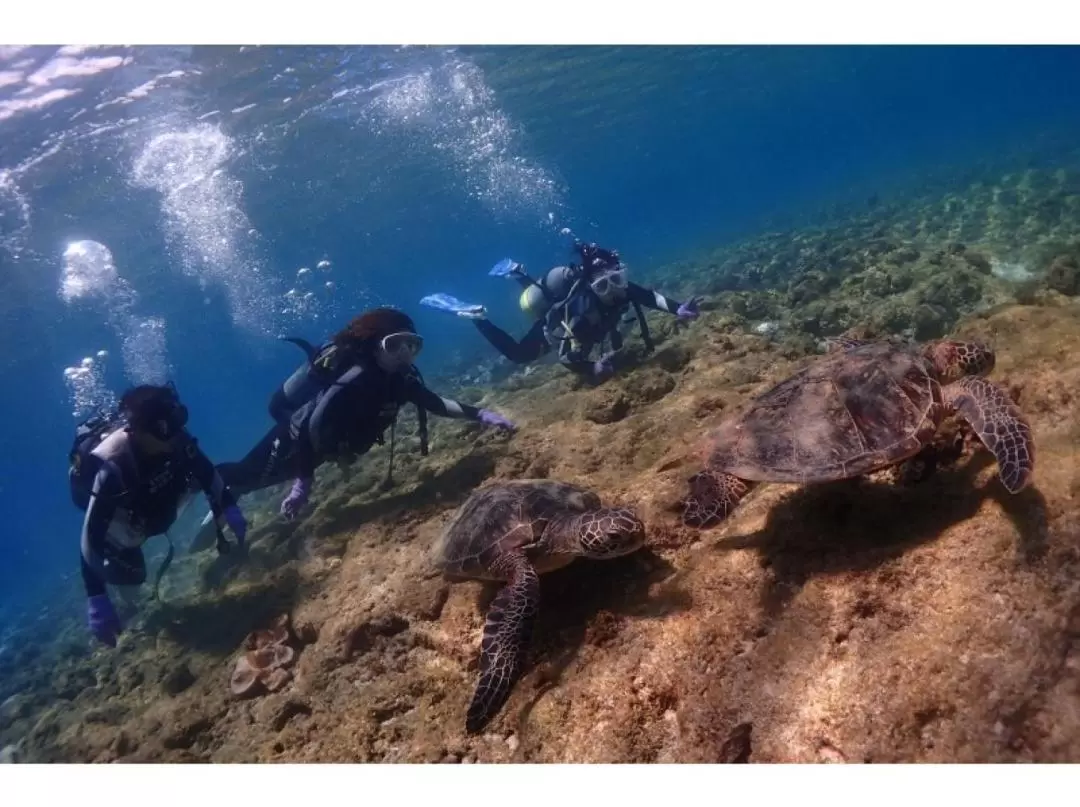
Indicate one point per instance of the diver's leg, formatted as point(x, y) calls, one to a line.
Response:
point(270, 462)
point(527, 350)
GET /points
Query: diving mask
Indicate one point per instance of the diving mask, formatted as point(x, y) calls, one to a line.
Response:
point(402, 347)
point(610, 284)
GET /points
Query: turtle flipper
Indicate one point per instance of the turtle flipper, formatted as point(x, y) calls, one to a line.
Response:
point(713, 495)
point(506, 635)
point(1000, 425)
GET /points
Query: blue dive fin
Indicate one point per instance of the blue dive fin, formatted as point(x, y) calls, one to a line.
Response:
point(444, 302)
point(506, 266)
point(304, 345)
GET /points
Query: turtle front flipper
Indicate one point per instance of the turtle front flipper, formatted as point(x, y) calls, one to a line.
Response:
point(713, 495)
point(506, 635)
point(1000, 425)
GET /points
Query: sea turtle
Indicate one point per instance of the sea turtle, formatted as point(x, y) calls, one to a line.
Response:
point(513, 532)
point(865, 406)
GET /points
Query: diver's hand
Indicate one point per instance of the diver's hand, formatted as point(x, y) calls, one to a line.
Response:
point(237, 523)
point(689, 310)
point(489, 418)
point(102, 619)
point(297, 498)
point(603, 368)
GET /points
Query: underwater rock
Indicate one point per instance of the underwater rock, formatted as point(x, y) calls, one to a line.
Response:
point(929, 321)
point(9, 754)
point(16, 707)
point(649, 386)
point(608, 404)
point(1063, 276)
point(978, 261)
point(178, 679)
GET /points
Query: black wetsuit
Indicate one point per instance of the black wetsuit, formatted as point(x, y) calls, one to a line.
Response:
point(135, 496)
point(599, 322)
point(344, 420)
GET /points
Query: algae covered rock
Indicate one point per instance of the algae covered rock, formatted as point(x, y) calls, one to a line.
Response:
point(1063, 276)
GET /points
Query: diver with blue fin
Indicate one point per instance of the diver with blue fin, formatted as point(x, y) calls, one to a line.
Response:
point(577, 307)
point(131, 471)
point(340, 402)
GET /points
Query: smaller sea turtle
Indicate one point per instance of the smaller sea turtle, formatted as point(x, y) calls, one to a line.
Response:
point(866, 406)
point(513, 532)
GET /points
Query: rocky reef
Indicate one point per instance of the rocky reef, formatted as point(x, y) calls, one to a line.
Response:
point(859, 621)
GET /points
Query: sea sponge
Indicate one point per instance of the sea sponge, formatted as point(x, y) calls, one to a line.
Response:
point(264, 665)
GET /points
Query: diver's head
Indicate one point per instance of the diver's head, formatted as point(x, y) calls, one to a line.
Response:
point(605, 271)
point(387, 334)
point(155, 415)
point(595, 259)
point(610, 285)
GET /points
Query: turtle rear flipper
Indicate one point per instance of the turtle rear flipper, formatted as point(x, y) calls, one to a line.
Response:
point(1000, 425)
point(506, 635)
point(713, 495)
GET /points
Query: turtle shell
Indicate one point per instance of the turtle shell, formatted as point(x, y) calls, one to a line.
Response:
point(849, 413)
point(504, 516)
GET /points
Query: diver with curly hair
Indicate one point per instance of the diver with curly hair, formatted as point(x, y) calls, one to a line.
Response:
point(130, 472)
point(340, 402)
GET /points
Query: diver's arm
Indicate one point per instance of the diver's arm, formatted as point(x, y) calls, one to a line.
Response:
point(576, 361)
point(217, 492)
point(99, 514)
point(651, 299)
point(420, 395)
point(530, 348)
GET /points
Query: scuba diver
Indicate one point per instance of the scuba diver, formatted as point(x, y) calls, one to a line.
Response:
point(340, 402)
point(130, 471)
point(576, 308)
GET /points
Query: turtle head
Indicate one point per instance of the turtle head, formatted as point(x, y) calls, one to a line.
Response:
point(606, 533)
point(952, 359)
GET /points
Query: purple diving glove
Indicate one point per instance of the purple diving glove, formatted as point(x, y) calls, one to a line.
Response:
point(237, 523)
point(603, 368)
point(689, 310)
point(102, 619)
point(297, 498)
point(489, 418)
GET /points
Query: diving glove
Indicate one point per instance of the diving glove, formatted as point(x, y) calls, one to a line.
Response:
point(297, 498)
point(603, 368)
point(489, 418)
point(689, 310)
point(102, 619)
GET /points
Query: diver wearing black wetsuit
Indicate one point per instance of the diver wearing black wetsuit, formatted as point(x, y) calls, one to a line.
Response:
point(577, 308)
point(143, 473)
point(349, 412)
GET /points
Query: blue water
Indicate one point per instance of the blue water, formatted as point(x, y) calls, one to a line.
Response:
point(413, 171)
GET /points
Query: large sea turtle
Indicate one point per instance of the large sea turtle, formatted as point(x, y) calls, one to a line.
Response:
point(867, 405)
point(513, 532)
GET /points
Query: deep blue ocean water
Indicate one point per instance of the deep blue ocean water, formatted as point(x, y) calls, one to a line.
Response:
point(213, 175)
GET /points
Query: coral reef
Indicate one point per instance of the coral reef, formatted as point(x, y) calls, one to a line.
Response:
point(856, 621)
point(264, 664)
